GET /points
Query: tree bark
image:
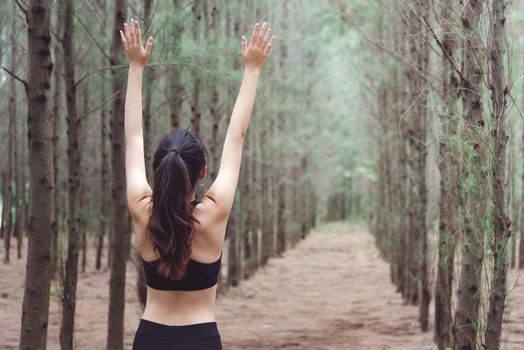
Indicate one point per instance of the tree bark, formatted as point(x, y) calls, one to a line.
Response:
point(9, 195)
point(176, 88)
point(521, 228)
point(35, 308)
point(104, 204)
point(474, 196)
point(120, 233)
point(66, 15)
point(500, 217)
point(56, 110)
point(195, 99)
point(448, 204)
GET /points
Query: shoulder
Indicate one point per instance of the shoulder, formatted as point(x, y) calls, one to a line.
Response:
point(211, 225)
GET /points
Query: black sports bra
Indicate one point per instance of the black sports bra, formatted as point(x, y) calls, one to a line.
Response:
point(198, 275)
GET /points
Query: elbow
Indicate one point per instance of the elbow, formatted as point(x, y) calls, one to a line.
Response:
point(237, 135)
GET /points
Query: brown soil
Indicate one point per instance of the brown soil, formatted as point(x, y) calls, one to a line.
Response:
point(331, 292)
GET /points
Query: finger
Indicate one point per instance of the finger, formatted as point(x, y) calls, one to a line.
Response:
point(132, 32)
point(254, 35)
point(269, 45)
point(149, 46)
point(126, 31)
point(244, 45)
point(262, 33)
point(124, 41)
point(138, 34)
point(267, 36)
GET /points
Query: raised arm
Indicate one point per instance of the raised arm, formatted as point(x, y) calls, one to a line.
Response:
point(137, 187)
point(222, 192)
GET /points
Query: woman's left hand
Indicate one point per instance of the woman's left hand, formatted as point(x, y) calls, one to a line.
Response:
point(131, 37)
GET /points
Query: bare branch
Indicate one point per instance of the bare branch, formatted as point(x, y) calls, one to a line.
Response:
point(424, 75)
point(100, 47)
point(16, 77)
point(448, 57)
point(21, 6)
point(99, 106)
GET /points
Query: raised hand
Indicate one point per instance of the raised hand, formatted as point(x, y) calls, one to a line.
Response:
point(131, 37)
point(256, 53)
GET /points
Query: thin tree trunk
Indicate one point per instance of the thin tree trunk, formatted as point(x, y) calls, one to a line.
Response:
point(57, 103)
point(104, 205)
point(448, 204)
point(66, 13)
point(8, 197)
point(195, 100)
point(120, 234)
point(6, 212)
point(423, 62)
point(35, 308)
point(474, 198)
point(521, 228)
point(266, 223)
point(501, 221)
point(82, 223)
point(214, 106)
point(176, 88)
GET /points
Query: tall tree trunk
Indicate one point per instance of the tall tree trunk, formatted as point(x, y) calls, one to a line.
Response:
point(513, 202)
point(266, 222)
point(448, 204)
point(195, 99)
point(521, 228)
point(35, 308)
point(82, 185)
point(501, 221)
point(56, 110)
point(474, 197)
point(66, 13)
point(176, 88)
point(120, 234)
point(416, 153)
point(423, 63)
point(9, 196)
point(6, 212)
point(104, 204)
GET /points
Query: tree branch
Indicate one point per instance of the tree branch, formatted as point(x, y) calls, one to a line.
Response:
point(21, 6)
point(448, 57)
point(98, 71)
point(423, 74)
point(100, 47)
point(16, 77)
point(99, 106)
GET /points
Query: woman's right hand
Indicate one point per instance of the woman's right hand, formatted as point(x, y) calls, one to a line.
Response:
point(256, 53)
point(136, 53)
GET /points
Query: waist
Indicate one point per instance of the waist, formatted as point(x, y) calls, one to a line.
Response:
point(180, 308)
point(162, 331)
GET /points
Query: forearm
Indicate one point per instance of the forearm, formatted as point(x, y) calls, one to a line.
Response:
point(244, 104)
point(133, 106)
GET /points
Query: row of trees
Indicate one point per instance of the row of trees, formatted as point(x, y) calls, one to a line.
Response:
point(62, 181)
point(444, 105)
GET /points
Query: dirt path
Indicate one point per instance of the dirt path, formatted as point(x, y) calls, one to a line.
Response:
point(331, 292)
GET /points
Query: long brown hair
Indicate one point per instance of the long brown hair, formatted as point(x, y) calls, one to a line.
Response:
point(177, 163)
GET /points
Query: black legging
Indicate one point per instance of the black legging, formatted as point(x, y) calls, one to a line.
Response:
point(155, 336)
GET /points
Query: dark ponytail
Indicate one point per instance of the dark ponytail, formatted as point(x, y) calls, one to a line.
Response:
point(177, 163)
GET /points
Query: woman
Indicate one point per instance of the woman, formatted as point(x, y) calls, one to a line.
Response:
point(179, 238)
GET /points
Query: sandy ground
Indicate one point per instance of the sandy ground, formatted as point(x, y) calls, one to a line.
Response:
point(331, 292)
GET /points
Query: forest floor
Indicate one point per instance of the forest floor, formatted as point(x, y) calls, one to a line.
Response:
point(332, 291)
